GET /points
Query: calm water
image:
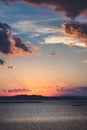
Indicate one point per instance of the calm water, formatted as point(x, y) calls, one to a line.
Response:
point(49, 115)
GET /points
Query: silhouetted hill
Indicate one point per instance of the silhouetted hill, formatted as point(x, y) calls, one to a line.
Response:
point(27, 98)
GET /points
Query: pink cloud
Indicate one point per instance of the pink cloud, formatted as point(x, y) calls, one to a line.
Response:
point(19, 90)
point(53, 54)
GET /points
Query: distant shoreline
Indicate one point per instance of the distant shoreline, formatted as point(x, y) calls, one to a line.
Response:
point(38, 98)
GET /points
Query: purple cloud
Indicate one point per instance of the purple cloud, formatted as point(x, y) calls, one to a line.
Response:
point(73, 91)
point(16, 90)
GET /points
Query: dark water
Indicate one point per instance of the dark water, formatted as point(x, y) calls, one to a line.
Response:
point(49, 115)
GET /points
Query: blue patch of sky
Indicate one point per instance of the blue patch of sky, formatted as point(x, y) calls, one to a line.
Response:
point(20, 12)
point(39, 17)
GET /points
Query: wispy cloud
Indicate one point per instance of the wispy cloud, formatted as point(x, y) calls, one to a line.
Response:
point(21, 90)
point(84, 61)
point(36, 51)
point(31, 26)
point(39, 89)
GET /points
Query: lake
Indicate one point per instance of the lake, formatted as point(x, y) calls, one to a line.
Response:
point(48, 115)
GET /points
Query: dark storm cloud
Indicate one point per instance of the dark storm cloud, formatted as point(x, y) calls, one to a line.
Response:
point(10, 45)
point(71, 8)
point(2, 62)
point(76, 29)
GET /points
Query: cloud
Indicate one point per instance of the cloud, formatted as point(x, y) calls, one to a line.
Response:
point(72, 44)
point(5, 31)
point(76, 29)
point(49, 86)
point(11, 67)
point(35, 47)
point(84, 61)
point(62, 89)
point(14, 46)
point(82, 88)
point(4, 90)
point(36, 51)
point(10, 45)
point(71, 8)
point(64, 40)
point(30, 26)
point(2, 62)
point(39, 89)
point(73, 90)
point(53, 54)
point(16, 90)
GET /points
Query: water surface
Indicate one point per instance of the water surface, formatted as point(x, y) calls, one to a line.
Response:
point(48, 115)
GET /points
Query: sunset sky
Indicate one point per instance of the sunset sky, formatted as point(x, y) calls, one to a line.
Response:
point(43, 47)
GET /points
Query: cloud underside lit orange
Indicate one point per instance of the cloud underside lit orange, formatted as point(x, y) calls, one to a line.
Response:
point(14, 46)
point(76, 29)
point(53, 91)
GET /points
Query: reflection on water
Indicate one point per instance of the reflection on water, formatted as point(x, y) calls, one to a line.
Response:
point(49, 115)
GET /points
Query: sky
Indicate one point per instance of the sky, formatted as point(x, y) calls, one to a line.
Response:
point(43, 47)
